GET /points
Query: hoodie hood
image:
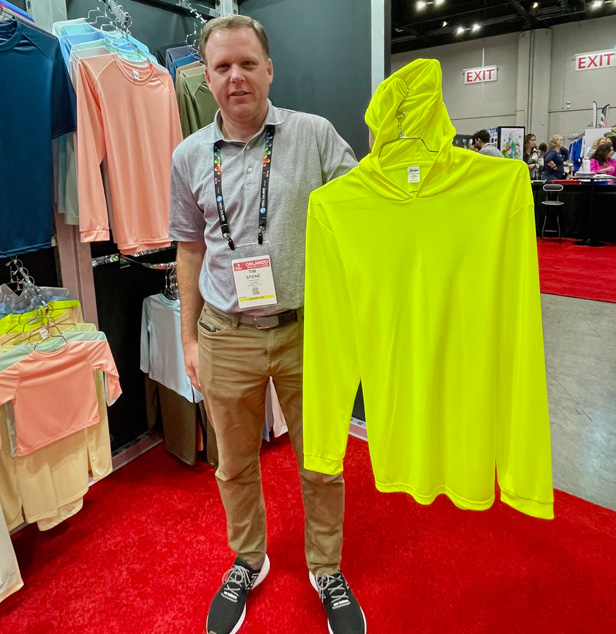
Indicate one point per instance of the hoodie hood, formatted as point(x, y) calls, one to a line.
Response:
point(410, 102)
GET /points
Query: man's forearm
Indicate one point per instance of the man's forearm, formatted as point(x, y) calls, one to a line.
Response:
point(189, 260)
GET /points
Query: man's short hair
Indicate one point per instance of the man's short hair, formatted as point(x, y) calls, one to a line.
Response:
point(229, 23)
point(482, 135)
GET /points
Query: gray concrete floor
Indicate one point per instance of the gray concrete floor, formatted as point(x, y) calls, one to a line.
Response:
point(580, 353)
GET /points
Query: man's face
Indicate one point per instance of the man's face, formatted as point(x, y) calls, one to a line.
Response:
point(237, 73)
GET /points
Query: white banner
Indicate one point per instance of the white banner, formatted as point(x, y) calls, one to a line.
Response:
point(480, 75)
point(592, 61)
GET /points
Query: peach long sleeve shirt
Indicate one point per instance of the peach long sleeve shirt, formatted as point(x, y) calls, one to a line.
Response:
point(127, 113)
point(54, 394)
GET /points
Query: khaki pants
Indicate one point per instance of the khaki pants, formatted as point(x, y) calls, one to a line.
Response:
point(235, 364)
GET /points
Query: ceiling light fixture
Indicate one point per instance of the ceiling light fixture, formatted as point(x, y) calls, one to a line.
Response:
point(596, 4)
point(476, 27)
point(535, 5)
point(460, 30)
point(422, 4)
point(444, 23)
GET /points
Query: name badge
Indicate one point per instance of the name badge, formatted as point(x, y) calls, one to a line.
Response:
point(254, 282)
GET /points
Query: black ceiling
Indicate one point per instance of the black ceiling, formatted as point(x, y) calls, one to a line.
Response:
point(414, 28)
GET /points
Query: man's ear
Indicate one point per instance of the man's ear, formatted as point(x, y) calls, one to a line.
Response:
point(270, 70)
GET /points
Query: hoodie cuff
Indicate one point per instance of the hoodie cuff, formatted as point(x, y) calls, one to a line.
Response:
point(322, 465)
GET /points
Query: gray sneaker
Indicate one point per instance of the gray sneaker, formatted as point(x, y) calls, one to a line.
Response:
point(344, 614)
point(228, 607)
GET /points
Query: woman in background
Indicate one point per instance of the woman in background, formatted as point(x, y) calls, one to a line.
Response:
point(554, 162)
point(602, 161)
point(531, 155)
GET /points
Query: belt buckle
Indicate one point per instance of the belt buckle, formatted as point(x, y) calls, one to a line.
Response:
point(270, 321)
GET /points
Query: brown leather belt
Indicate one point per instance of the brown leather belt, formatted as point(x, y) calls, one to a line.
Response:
point(270, 321)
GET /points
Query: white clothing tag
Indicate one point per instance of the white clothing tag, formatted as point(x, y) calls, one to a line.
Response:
point(44, 334)
point(136, 74)
point(414, 175)
point(254, 281)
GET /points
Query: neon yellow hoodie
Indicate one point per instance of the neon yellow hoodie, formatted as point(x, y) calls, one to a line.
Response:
point(428, 292)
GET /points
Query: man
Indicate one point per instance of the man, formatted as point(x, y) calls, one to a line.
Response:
point(240, 240)
point(481, 141)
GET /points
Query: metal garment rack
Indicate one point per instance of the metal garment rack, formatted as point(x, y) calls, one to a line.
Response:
point(225, 7)
point(130, 259)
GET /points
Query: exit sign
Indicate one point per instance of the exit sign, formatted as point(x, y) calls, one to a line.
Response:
point(480, 75)
point(590, 61)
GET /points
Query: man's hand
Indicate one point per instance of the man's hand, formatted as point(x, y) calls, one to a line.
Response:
point(189, 258)
point(191, 363)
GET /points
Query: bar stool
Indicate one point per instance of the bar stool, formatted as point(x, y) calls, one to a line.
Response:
point(552, 208)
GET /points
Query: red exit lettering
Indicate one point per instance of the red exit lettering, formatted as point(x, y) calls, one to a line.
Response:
point(595, 60)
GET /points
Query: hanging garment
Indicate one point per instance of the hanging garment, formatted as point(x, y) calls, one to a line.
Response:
point(161, 51)
point(36, 109)
point(16, 10)
point(182, 61)
point(48, 485)
point(129, 114)
point(196, 103)
point(10, 577)
point(422, 282)
point(57, 27)
point(42, 386)
point(174, 53)
point(162, 356)
point(108, 42)
point(16, 322)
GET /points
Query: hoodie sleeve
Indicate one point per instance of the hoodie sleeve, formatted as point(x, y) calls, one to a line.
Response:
point(331, 367)
point(523, 453)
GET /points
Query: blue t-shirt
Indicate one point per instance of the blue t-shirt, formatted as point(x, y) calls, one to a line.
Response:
point(550, 173)
point(37, 103)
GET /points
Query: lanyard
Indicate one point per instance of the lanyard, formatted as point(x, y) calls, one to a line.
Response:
point(220, 203)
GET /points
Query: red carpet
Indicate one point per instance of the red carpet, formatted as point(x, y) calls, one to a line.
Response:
point(147, 553)
point(574, 271)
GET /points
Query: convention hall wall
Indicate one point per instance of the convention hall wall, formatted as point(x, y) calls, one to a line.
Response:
point(537, 84)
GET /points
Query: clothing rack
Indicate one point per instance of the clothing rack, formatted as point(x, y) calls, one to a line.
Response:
point(119, 257)
point(170, 291)
point(182, 6)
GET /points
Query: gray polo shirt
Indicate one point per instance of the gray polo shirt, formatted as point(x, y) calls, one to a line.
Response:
point(491, 150)
point(307, 153)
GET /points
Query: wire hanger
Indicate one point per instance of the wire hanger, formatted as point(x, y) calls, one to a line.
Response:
point(98, 13)
point(402, 137)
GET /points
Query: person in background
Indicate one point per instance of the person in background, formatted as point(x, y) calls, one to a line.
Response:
point(553, 168)
point(543, 150)
point(531, 155)
point(481, 141)
point(602, 161)
point(611, 137)
point(597, 142)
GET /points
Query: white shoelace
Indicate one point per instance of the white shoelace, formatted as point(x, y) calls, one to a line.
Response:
point(335, 586)
point(237, 579)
